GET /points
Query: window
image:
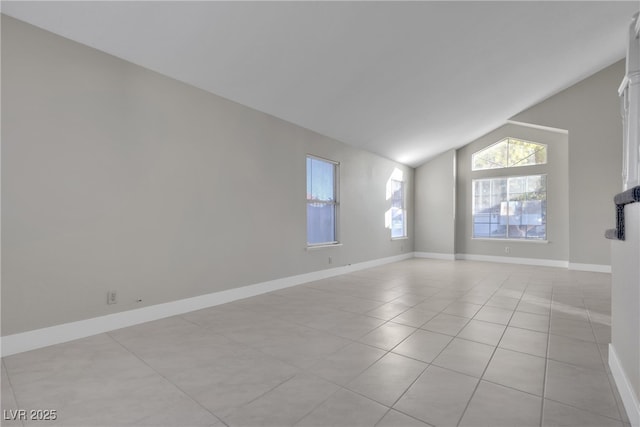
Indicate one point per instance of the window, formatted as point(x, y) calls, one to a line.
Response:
point(398, 216)
point(322, 202)
point(510, 207)
point(509, 153)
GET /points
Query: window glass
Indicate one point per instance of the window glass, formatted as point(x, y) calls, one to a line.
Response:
point(508, 153)
point(321, 201)
point(398, 215)
point(510, 207)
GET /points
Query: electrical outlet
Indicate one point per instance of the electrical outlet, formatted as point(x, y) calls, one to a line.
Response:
point(330, 260)
point(507, 250)
point(112, 297)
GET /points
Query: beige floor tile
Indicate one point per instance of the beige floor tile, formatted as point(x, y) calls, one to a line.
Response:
point(284, 357)
point(285, 405)
point(535, 322)
point(388, 311)
point(438, 397)
point(562, 310)
point(409, 298)
point(463, 309)
point(525, 341)
point(583, 388)
point(95, 379)
point(575, 352)
point(234, 381)
point(556, 414)
point(223, 318)
point(10, 407)
point(505, 302)
point(521, 371)
point(414, 317)
point(602, 333)
point(478, 299)
point(446, 324)
point(304, 348)
point(173, 348)
point(435, 304)
point(423, 345)
point(497, 406)
point(534, 307)
point(345, 409)
point(464, 356)
point(387, 379)
point(354, 327)
point(483, 332)
point(394, 418)
point(347, 363)
point(579, 329)
point(494, 315)
point(321, 317)
point(387, 336)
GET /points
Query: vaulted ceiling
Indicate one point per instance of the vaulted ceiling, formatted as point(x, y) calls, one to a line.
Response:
point(406, 80)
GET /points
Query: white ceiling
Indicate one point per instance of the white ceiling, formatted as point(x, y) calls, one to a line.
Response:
point(407, 80)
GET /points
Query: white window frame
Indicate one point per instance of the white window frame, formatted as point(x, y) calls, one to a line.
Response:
point(506, 237)
point(335, 203)
point(508, 140)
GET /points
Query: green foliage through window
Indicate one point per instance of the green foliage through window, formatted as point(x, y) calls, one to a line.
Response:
point(509, 153)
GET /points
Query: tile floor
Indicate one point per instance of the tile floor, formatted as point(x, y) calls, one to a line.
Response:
point(414, 343)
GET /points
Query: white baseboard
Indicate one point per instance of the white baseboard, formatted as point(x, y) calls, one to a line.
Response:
point(597, 268)
point(629, 398)
point(514, 260)
point(435, 255)
point(31, 340)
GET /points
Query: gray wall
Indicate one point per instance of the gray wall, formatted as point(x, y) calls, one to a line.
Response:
point(115, 177)
point(557, 247)
point(435, 205)
point(590, 111)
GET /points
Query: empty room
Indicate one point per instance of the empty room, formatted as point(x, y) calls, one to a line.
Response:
point(310, 213)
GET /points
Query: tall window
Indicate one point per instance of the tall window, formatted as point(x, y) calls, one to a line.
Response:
point(398, 216)
point(322, 201)
point(510, 207)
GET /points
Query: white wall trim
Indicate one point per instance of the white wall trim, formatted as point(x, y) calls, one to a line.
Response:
point(514, 260)
point(534, 126)
point(435, 255)
point(598, 268)
point(629, 399)
point(38, 338)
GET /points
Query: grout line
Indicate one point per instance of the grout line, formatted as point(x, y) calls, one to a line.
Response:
point(289, 379)
point(585, 410)
point(165, 378)
point(621, 411)
point(13, 393)
point(546, 360)
point(495, 348)
point(408, 415)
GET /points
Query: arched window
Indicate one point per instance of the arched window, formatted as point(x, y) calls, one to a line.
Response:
point(509, 153)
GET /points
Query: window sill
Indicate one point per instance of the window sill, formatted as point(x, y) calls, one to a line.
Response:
point(323, 246)
point(486, 239)
point(400, 238)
